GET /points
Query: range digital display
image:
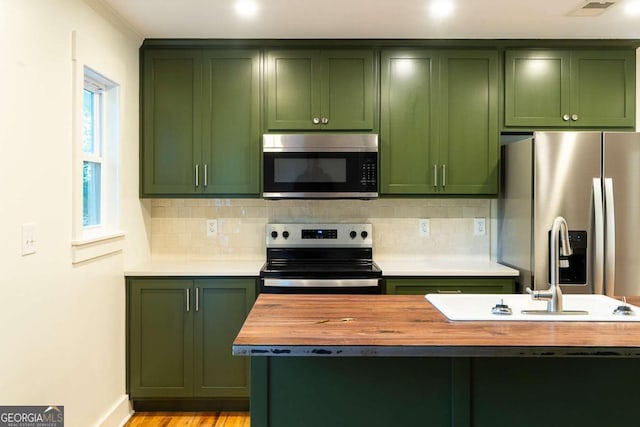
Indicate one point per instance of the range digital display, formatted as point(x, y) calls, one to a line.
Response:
point(320, 234)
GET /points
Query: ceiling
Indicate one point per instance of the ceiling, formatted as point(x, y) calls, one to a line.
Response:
point(378, 19)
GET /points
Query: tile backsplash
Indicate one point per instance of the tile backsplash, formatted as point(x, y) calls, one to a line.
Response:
point(178, 226)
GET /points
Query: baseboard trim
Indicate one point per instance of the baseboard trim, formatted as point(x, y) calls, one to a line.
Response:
point(118, 415)
point(188, 405)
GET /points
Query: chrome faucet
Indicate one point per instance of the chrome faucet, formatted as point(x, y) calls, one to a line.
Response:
point(553, 295)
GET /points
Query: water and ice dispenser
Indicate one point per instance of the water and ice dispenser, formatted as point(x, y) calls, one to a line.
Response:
point(573, 268)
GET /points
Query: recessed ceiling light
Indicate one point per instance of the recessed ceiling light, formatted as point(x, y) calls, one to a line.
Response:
point(441, 8)
point(246, 7)
point(632, 8)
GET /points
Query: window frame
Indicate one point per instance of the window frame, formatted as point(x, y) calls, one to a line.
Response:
point(95, 241)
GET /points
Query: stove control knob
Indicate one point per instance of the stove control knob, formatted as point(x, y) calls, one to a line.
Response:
point(274, 234)
point(364, 234)
point(285, 234)
point(353, 234)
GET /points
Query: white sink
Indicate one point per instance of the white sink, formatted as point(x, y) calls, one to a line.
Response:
point(476, 307)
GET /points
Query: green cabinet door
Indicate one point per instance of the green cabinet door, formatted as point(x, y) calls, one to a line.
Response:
point(568, 89)
point(221, 307)
point(161, 338)
point(603, 88)
point(293, 90)
point(348, 90)
point(171, 128)
point(439, 122)
point(231, 122)
point(201, 122)
point(450, 285)
point(408, 134)
point(469, 135)
point(320, 90)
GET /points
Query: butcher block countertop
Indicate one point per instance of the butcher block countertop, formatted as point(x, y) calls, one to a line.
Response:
point(408, 325)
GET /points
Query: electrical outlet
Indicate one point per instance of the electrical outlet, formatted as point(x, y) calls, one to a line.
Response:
point(212, 227)
point(479, 226)
point(424, 227)
point(28, 239)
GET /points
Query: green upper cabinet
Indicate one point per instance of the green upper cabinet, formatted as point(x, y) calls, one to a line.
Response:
point(201, 122)
point(321, 90)
point(171, 127)
point(578, 88)
point(231, 122)
point(439, 122)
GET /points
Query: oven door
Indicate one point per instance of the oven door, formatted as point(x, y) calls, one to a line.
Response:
point(321, 286)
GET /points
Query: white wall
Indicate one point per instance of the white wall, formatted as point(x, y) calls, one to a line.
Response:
point(62, 326)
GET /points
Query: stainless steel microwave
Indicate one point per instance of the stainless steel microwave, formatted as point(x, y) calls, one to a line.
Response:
point(320, 166)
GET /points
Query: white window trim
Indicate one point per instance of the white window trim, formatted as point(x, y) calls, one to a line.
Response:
point(94, 242)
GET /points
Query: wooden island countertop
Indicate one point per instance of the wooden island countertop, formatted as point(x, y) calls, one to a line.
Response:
point(399, 325)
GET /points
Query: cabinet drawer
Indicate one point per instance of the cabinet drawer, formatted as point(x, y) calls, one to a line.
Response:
point(470, 285)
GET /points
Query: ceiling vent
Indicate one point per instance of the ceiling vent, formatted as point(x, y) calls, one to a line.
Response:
point(592, 8)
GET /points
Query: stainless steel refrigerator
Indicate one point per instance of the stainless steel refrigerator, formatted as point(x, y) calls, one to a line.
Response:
point(592, 179)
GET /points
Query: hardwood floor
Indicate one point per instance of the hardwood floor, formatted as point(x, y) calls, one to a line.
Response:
point(189, 419)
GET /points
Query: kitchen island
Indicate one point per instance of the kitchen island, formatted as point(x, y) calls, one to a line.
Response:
point(320, 360)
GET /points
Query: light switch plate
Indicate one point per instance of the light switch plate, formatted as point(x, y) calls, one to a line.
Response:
point(28, 239)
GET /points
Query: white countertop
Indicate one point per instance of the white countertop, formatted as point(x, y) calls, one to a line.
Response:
point(454, 266)
point(176, 267)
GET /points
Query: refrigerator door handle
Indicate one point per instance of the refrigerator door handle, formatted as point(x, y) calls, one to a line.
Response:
point(610, 238)
point(598, 241)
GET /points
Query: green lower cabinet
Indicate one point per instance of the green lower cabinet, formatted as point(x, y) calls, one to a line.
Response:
point(433, 285)
point(180, 333)
point(486, 391)
point(224, 304)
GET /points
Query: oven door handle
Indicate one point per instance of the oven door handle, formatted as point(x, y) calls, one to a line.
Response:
point(320, 283)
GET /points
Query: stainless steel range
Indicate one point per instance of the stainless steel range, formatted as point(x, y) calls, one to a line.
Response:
point(320, 258)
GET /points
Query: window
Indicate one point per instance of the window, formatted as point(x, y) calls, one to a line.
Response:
point(97, 195)
point(92, 159)
point(96, 151)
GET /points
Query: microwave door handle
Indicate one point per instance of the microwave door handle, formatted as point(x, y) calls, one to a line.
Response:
point(598, 241)
point(610, 238)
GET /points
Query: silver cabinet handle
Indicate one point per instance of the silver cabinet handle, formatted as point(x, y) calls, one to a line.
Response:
point(574, 117)
point(444, 175)
point(609, 238)
point(598, 267)
point(188, 298)
point(316, 120)
point(197, 175)
point(325, 120)
point(565, 117)
point(435, 176)
point(197, 299)
point(206, 175)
